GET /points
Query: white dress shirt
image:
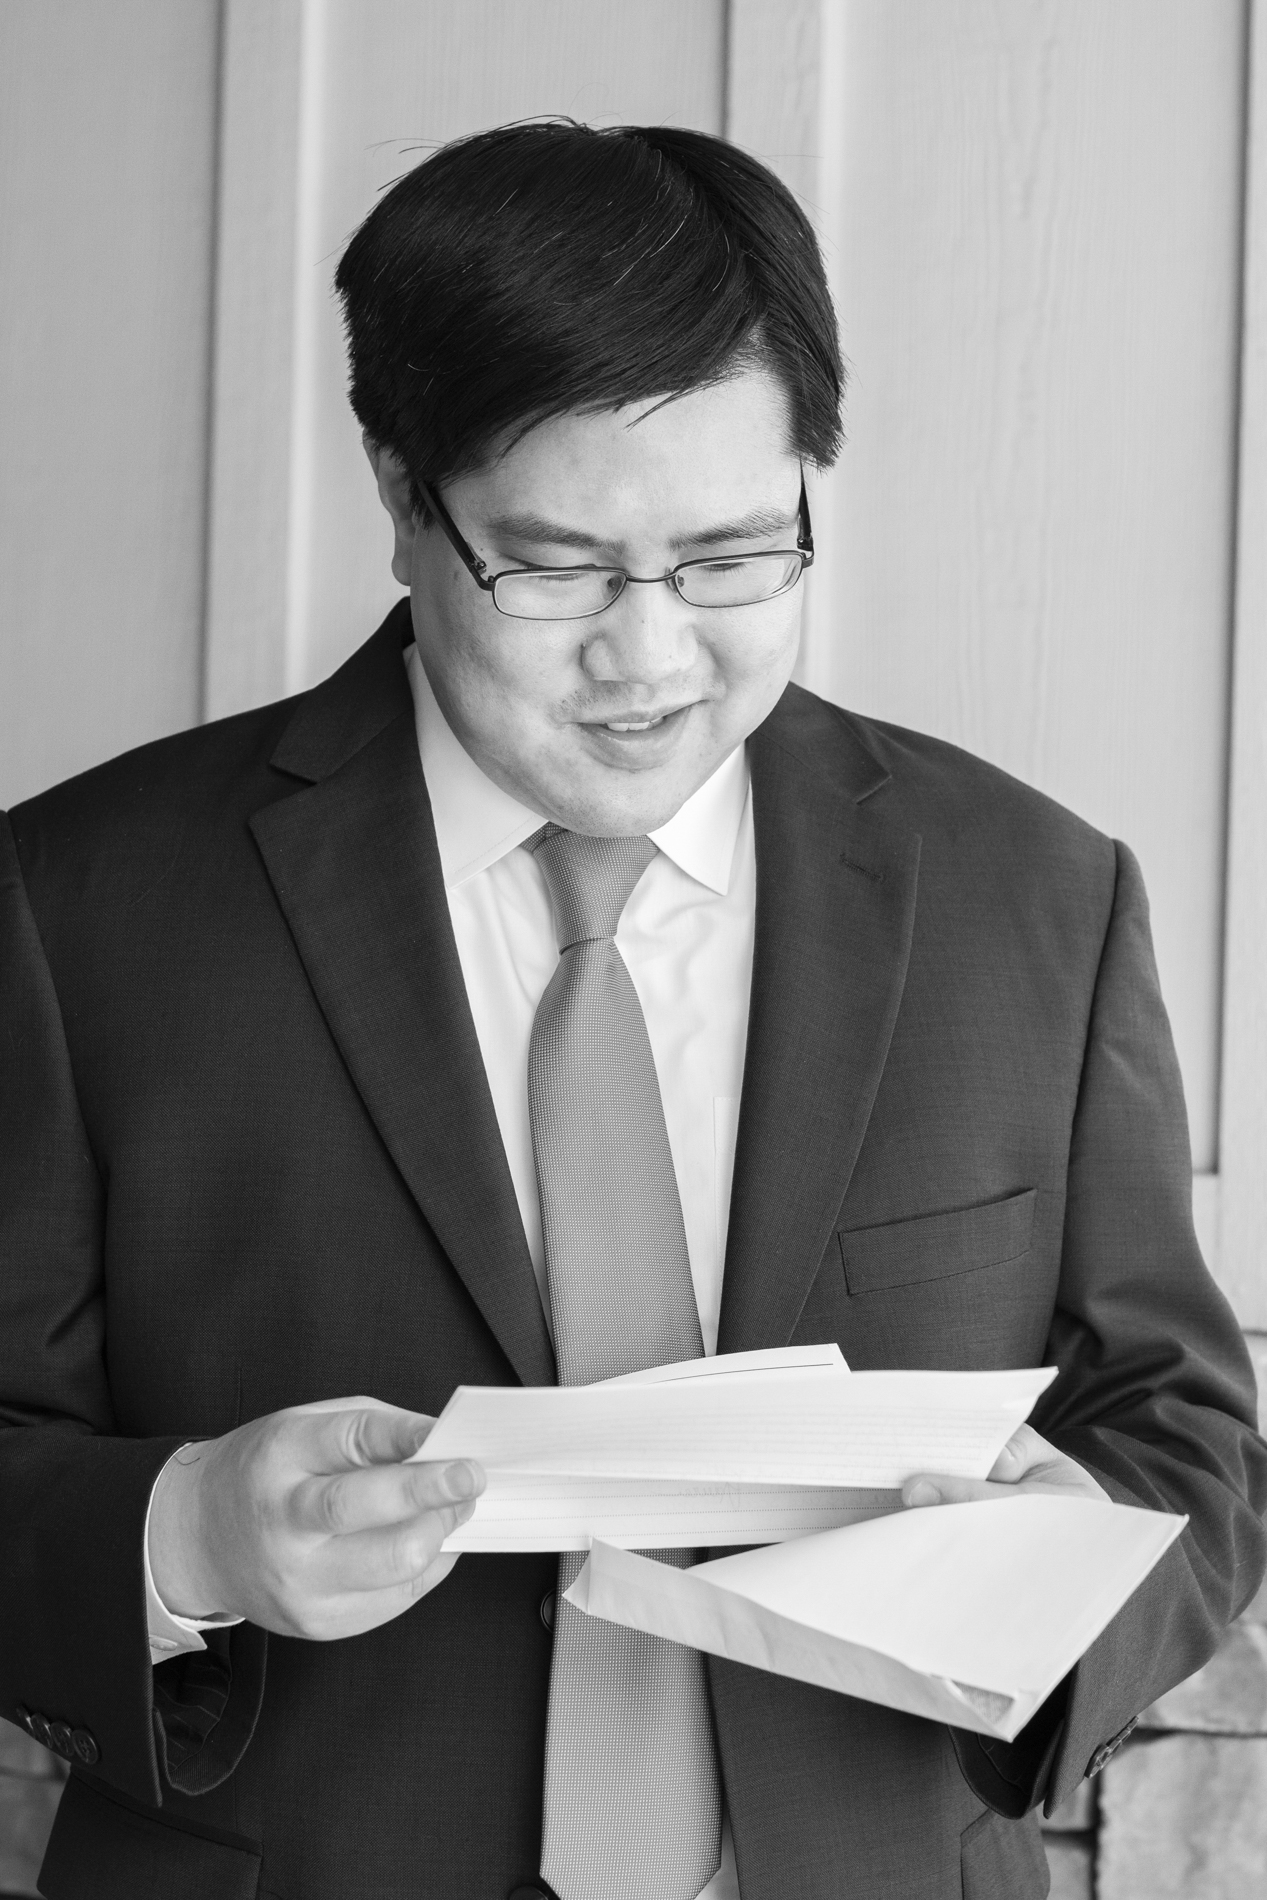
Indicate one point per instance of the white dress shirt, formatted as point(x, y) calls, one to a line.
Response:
point(686, 935)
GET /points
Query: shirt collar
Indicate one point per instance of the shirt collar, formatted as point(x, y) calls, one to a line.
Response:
point(477, 822)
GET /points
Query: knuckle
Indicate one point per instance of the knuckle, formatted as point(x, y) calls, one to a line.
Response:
point(355, 1436)
point(332, 1506)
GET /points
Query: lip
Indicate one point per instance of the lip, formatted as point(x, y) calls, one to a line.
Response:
point(647, 743)
point(641, 715)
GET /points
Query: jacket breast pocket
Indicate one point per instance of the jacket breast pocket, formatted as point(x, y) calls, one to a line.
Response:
point(935, 1246)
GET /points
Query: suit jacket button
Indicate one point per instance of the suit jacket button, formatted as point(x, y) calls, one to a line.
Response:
point(59, 1739)
point(1107, 1750)
point(85, 1748)
point(38, 1726)
point(24, 1717)
point(547, 1620)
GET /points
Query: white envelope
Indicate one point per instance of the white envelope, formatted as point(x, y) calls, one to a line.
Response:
point(969, 1614)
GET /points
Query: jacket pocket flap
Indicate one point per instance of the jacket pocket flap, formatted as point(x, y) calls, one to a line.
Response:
point(906, 1252)
point(107, 1845)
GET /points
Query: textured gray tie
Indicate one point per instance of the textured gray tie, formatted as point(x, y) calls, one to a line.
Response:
point(632, 1805)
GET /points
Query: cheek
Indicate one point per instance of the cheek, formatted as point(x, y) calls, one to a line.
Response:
point(752, 658)
point(486, 660)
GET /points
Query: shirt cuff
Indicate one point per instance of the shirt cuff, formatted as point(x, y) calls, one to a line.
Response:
point(171, 1635)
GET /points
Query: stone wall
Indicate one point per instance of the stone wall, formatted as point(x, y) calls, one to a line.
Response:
point(1180, 1812)
point(30, 1786)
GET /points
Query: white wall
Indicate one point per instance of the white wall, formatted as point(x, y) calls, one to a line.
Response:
point(107, 172)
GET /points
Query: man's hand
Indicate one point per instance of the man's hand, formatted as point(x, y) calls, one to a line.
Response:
point(1027, 1465)
point(308, 1522)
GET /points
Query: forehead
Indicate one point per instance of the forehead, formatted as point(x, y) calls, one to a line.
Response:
point(710, 448)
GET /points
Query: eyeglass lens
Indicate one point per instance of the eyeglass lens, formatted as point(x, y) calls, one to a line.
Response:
point(576, 593)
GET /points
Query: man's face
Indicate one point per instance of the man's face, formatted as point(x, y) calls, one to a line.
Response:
point(607, 725)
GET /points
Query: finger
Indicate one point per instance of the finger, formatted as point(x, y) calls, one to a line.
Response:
point(917, 1492)
point(359, 1403)
point(394, 1556)
point(1023, 1450)
point(367, 1499)
point(350, 1437)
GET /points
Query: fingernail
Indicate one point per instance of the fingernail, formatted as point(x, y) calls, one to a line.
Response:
point(923, 1493)
point(459, 1481)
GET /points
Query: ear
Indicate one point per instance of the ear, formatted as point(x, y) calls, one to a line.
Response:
point(393, 489)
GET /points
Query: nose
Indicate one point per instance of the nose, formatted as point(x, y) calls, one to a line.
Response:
point(645, 637)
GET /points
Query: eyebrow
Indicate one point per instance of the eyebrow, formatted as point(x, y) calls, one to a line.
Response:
point(533, 527)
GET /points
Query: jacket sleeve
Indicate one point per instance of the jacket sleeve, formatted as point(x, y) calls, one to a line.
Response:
point(1156, 1394)
point(74, 1651)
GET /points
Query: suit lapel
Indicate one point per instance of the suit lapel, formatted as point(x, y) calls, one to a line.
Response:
point(835, 909)
point(353, 861)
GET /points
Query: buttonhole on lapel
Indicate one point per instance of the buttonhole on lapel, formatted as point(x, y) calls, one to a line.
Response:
point(864, 870)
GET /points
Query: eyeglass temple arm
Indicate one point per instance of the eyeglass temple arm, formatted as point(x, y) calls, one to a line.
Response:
point(805, 535)
point(477, 569)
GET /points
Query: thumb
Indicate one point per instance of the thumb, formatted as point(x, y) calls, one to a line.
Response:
point(1014, 1459)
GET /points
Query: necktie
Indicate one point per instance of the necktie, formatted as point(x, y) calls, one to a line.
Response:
point(632, 1806)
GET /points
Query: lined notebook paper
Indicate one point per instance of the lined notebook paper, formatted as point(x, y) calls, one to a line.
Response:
point(744, 1448)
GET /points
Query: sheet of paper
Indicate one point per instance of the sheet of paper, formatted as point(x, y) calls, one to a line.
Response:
point(748, 1448)
point(729, 1365)
point(523, 1511)
point(964, 1613)
point(799, 1426)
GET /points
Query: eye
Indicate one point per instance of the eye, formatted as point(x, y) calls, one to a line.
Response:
point(556, 580)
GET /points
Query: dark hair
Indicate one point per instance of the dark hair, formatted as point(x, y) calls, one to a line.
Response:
point(547, 268)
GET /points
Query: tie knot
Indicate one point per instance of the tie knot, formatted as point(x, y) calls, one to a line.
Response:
point(590, 879)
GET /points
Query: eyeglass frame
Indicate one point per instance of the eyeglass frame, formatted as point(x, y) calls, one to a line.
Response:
point(478, 569)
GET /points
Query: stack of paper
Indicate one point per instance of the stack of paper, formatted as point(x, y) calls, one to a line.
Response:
point(742, 1449)
point(969, 1614)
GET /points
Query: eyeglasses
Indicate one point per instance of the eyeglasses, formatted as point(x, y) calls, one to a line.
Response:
point(577, 593)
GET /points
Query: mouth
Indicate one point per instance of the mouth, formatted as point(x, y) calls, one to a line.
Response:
point(639, 722)
point(637, 740)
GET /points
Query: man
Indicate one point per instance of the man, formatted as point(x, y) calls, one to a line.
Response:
point(556, 990)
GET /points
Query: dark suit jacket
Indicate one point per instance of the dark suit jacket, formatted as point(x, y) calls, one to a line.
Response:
point(248, 1158)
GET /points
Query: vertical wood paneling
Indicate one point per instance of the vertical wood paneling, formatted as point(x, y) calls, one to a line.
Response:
point(1036, 247)
point(394, 76)
point(334, 100)
point(107, 137)
point(774, 55)
point(253, 403)
point(778, 53)
point(1243, 1120)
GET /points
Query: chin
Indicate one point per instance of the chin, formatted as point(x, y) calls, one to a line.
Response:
point(603, 814)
